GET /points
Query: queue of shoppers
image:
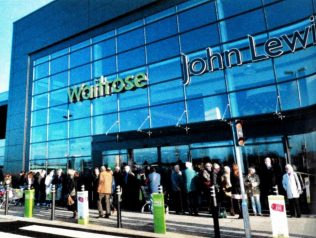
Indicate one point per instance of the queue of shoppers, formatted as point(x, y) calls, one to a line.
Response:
point(187, 187)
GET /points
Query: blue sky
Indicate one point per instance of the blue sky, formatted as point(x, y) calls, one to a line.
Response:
point(12, 10)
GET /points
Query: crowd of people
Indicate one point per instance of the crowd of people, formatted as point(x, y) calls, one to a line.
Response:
point(187, 188)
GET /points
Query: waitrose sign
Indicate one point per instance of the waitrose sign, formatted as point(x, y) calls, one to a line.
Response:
point(103, 87)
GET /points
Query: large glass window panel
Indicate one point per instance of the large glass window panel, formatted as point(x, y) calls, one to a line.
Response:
point(165, 70)
point(252, 102)
point(105, 124)
point(168, 115)
point(240, 26)
point(131, 39)
point(243, 46)
point(104, 67)
point(80, 127)
point(308, 89)
point(200, 38)
point(80, 147)
point(163, 49)
point(59, 53)
point(59, 113)
point(79, 109)
point(38, 151)
point(190, 4)
point(145, 156)
point(289, 95)
point(36, 164)
point(80, 45)
point(217, 154)
point(105, 104)
point(285, 12)
point(166, 92)
point(227, 8)
point(57, 149)
point(250, 75)
point(58, 163)
point(161, 29)
point(161, 14)
point(40, 101)
point(41, 70)
point(58, 97)
point(104, 36)
point(206, 84)
point(134, 119)
point(59, 64)
point(209, 108)
point(131, 26)
point(59, 80)
point(296, 65)
point(41, 60)
point(131, 59)
point(39, 117)
point(82, 163)
point(80, 57)
point(80, 74)
point(115, 158)
point(38, 134)
point(174, 154)
point(133, 99)
point(103, 49)
point(57, 131)
point(202, 15)
point(40, 86)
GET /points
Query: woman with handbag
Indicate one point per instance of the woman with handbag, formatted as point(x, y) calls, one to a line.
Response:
point(71, 192)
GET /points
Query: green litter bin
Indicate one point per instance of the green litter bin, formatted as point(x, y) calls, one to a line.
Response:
point(29, 203)
point(159, 213)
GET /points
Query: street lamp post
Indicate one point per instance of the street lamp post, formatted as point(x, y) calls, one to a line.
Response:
point(244, 203)
point(295, 73)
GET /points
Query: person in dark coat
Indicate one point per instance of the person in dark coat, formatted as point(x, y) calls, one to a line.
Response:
point(177, 189)
point(95, 184)
point(268, 180)
point(130, 188)
point(236, 191)
point(71, 192)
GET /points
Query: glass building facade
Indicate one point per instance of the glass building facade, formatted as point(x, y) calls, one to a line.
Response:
point(62, 133)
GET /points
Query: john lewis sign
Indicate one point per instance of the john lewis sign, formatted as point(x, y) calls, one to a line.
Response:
point(273, 47)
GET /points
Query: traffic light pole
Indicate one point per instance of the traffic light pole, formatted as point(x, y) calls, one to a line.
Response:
point(244, 203)
point(215, 211)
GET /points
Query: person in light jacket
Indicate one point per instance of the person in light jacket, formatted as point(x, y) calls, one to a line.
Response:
point(105, 191)
point(292, 186)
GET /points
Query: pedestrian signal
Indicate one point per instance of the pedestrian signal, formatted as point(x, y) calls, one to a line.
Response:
point(240, 134)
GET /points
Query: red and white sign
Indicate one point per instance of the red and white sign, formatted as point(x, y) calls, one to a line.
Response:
point(278, 217)
point(83, 207)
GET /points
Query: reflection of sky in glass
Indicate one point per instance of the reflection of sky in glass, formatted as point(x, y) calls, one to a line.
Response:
point(123, 52)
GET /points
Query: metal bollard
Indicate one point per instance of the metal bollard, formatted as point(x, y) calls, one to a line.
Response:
point(275, 190)
point(119, 216)
point(82, 187)
point(160, 189)
point(52, 217)
point(7, 199)
point(215, 213)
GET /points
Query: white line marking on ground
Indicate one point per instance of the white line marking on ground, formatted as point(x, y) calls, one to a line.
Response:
point(8, 235)
point(65, 232)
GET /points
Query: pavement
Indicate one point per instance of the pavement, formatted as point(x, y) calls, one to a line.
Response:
point(141, 224)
